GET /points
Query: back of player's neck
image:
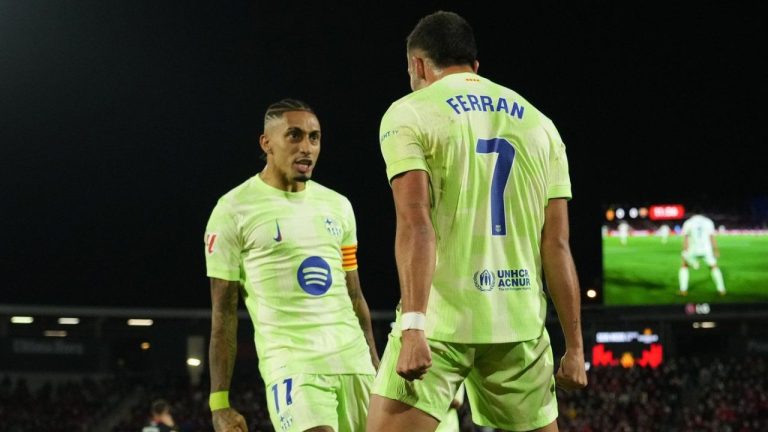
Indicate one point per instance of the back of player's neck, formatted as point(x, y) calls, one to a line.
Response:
point(451, 70)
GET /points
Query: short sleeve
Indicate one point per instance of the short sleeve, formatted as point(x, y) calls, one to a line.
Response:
point(399, 140)
point(559, 185)
point(350, 225)
point(349, 241)
point(222, 244)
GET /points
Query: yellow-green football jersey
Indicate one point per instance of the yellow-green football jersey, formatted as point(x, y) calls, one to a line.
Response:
point(290, 250)
point(493, 161)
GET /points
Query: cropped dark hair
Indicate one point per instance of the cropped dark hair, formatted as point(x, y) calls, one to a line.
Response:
point(277, 109)
point(446, 38)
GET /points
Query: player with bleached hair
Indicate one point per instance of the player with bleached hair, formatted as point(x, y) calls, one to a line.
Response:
point(288, 246)
point(699, 243)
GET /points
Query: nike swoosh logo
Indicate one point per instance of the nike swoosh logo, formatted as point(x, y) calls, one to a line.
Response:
point(278, 237)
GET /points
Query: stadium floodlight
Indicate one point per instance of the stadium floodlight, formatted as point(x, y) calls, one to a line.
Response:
point(194, 362)
point(69, 321)
point(22, 320)
point(619, 213)
point(591, 293)
point(140, 322)
point(145, 346)
point(633, 213)
point(55, 333)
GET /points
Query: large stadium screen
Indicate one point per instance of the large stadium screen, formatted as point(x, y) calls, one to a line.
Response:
point(680, 253)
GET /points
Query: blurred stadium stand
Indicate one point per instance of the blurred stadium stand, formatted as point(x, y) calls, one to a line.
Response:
point(101, 374)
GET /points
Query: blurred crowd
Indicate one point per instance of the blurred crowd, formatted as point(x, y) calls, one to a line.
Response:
point(189, 404)
point(67, 406)
point(681, 395)
point(685, 394)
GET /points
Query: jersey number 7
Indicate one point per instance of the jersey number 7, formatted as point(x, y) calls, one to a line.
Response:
point(501, 172)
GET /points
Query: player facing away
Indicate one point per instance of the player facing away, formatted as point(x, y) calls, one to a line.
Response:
point(289, 244)
point(699, 243)
point(480, 185)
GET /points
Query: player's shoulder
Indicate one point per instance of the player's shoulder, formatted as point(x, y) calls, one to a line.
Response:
point(511, 95)
point(325, 193)
point(506, 91)
point(696, 221)
point(404, 109)
point(547, 122)
point(698, 218)
point(531, 110)
point(242, 193)
point(544, 121)
point(415, 104)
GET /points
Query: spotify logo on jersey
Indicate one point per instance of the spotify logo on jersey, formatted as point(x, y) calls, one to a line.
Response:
point(314, 276)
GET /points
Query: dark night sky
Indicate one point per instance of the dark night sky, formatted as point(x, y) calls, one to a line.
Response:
point(121, 124)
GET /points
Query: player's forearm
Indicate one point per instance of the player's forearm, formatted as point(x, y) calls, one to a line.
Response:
point(223, 345)
point(563, 284)
point(360, 306)
point(364, 318)
point(415, 255)
point(222, 352)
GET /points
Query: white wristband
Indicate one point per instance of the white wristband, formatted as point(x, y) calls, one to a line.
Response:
point(413, 321)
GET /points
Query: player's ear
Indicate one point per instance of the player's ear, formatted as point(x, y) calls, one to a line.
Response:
point(476, 66)
point(419, 67)
point(264, 143)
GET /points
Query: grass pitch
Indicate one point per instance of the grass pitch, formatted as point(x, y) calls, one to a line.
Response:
point(644, 271)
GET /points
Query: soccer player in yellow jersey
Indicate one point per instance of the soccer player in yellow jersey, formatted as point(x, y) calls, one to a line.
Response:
point(480, 182)
point(288, 244)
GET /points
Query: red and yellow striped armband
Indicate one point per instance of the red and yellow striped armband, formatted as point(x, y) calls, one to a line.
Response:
point(349, 257)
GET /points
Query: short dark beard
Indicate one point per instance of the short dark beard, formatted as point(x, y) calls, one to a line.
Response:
point(301, 178)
